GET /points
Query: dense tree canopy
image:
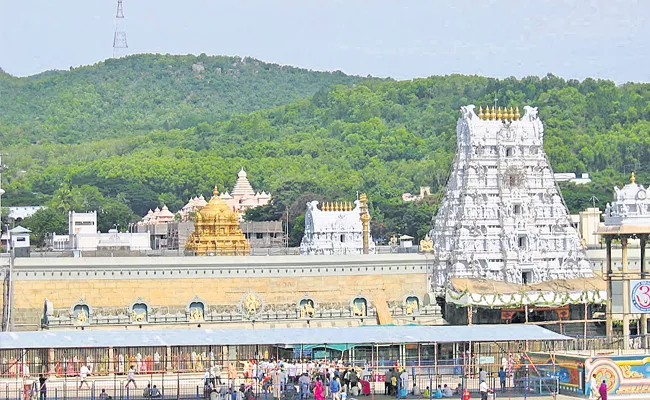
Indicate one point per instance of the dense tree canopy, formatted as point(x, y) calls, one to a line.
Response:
point(378, 136)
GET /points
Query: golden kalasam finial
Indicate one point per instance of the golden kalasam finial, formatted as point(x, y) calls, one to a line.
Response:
point(324, 207)
point(494, 113)
point(633, 178)
point(517, 115)
point(511, 114)
point(480, 112)
point(351, 205)
point(215, 191)
point(499, 114)
point(487, 113)
point(327, 206)
point(337, 206)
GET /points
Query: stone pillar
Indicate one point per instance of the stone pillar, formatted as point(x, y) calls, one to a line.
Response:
point(608, 277)
point(626, 293)
point(168, 358)
point(644, 317)
point(111, 361)
point(51, 362)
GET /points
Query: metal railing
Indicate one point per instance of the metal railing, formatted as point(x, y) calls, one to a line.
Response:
point(414, 382)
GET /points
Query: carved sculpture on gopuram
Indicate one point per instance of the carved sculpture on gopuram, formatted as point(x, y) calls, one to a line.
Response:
point(501, 207)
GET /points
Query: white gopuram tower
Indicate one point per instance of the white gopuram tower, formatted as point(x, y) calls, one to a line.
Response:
point(502, 217)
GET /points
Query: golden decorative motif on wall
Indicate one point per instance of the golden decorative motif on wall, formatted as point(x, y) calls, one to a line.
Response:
point(360, 307)
point(251, 305)
point(196, 314)
point(412, 306)
point(426, 245)
point(141, 317)
point(628, 373)
point(307, 309)
point(82, 317)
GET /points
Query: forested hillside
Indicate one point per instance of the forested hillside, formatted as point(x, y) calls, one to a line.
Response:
point(134, 95)
point(379, 137)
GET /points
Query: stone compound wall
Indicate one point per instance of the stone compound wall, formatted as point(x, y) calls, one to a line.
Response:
point(171, 283)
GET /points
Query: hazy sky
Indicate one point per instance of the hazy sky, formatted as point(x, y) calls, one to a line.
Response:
point(398, 38)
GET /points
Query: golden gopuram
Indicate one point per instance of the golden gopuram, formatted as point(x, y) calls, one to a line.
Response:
point(216, 231)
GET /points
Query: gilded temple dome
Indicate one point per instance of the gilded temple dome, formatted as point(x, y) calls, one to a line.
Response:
point(216, 231)
point(216, 207)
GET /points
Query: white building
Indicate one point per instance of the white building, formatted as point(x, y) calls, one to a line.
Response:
point(571, 177)
point(425, 191)
point(335, 228)
point(502, 217)
point(84, 236)
point(21, 212)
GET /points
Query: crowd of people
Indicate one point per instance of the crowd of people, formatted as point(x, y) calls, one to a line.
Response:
point(304, 379)
point(298, 378)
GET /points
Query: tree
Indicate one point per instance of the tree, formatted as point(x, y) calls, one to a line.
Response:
point(44, 222)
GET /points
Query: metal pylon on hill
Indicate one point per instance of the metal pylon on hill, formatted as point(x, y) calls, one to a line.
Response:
point(119, 39)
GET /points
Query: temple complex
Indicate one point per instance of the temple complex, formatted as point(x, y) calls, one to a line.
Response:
point(216, 231)
point(189, 210)
point(158, 216)
point(503, 220)
point(243, 196)
point(337, 228)
point(239, 200)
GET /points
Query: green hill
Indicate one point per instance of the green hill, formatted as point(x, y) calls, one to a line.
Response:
point(136, 94)
point(381, 137)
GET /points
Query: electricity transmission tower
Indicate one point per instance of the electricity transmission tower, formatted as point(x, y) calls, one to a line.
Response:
point(119, 39)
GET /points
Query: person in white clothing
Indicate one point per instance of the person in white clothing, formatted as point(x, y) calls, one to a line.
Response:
point(130, 376)
point(593, 388)
point(83, 374)
point(483, 387)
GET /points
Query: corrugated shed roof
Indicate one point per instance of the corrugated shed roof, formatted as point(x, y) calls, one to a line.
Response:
point(282, 336)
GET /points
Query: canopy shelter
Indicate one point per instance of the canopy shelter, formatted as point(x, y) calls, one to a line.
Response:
point(281, 336)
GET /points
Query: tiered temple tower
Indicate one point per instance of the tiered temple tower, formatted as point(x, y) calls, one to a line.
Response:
point(337, 228)
point(502, 216)
point(217, 231)
point(243, 196)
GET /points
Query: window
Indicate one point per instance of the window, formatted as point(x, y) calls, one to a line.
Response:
point(20, 239)
point(259, 235)
point(522, 242)
point(509, 152)
point(342, 238)
point(77, 223)
point(517, 209)
point(526, 277)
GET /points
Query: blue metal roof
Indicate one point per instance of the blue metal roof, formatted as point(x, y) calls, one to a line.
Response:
point(133, 337)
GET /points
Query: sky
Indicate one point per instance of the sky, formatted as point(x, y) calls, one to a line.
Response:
point(402, 39)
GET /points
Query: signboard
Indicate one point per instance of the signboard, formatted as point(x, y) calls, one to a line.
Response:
point(486, 360)
point(640, 294)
